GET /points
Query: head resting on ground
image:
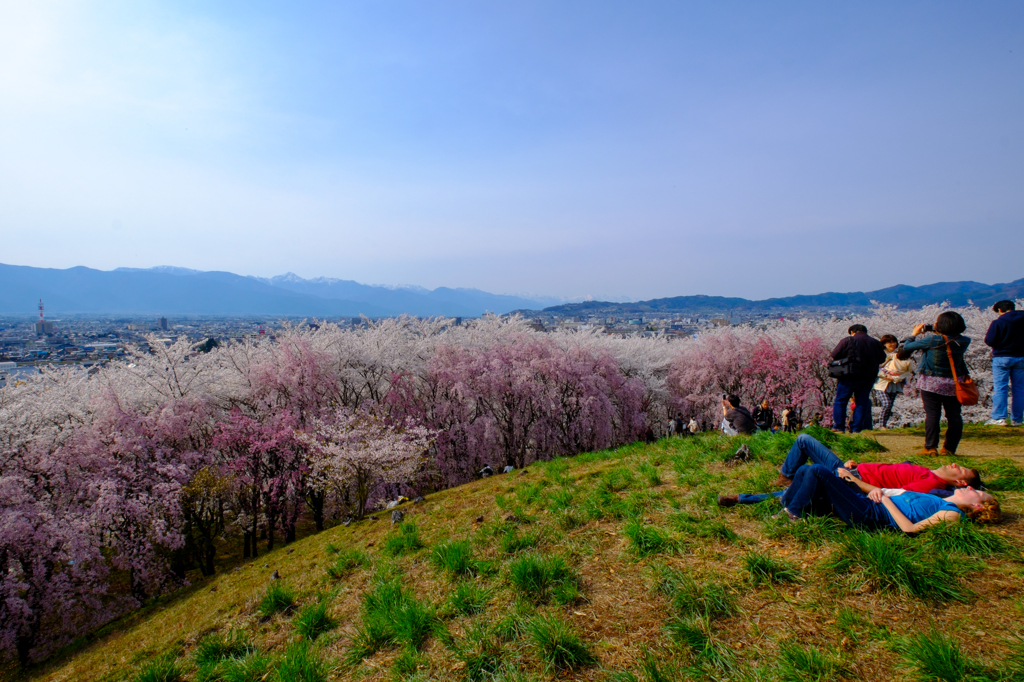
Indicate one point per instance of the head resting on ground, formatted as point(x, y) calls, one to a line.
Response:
point(979, 506)
point(958, 476)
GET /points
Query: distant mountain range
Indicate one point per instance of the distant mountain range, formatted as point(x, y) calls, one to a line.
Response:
point(180, 291)
point(956, 293)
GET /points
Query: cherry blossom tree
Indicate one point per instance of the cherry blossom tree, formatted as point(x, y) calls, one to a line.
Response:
point(355, 452)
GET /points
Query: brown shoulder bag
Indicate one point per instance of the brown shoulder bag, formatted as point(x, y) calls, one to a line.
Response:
point(966, 390)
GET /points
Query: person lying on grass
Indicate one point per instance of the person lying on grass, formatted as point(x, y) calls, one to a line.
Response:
point(912, 477)
point(816, 488)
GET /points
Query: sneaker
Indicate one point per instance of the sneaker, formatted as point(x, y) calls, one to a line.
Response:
point(728, 500)
point(786, 516)
point(996, 422)
point(1020, 423)
point(927, 452)
point(946, 453)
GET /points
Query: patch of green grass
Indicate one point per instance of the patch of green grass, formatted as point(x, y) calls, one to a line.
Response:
point(408, 662)
point(890, 563)
point(808, 664)
point(703, 527)
point(616, 479)
point(391, 615)
point(346, 562)
point(695, 635)
point(561, 499)
point(936, 656)
point(455, 557)
point(215, 647)
point(314, 620)
point(656, 668)
point(765, 569)
point(302, 663)
point(770, 447)
point(532, 493)
point(482, 651)
point(855, 626)
point(254, 666)
point(1003, 474)
point(558, 645)
point(558, 471)
point(967, 539)
point(469, 598)
point(759, 480)
point(164, 669)
point(603, 503)
point(405, 541)
point(650, 474)
point(512, 625)
point(691, 599)
point(812, 531)
point(541, 578)
point(646, 539)
point(276, 599)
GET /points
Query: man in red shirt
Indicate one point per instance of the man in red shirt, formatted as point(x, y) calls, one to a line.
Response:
point(904, 475)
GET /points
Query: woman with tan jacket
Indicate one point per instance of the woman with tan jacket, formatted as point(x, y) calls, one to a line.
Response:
point(896, 369)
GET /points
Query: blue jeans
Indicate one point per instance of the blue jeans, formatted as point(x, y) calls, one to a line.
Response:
point(805, 448)
point(1007, 372)
point(820, 490)
point(860, 391)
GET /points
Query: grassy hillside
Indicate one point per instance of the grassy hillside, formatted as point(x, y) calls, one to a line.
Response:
point(612, 565)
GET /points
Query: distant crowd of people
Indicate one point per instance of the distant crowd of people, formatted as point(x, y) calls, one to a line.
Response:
point(867, 367)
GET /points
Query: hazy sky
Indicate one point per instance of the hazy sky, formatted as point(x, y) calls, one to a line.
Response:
point(571, 148)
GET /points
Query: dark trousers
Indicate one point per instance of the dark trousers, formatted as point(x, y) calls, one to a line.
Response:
point(818, 489)
point(860, 391)
point(886, 400)
point(934, 404)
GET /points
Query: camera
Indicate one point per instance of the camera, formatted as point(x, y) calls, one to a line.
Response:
point(929, 327)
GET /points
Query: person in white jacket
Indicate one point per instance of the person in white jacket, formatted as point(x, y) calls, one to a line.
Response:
point(893, 373)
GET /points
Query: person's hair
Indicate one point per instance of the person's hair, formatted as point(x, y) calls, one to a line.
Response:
point(903, 354)
point(988, 513)
point(950, 323)
point(975, 480)
point(854, 328)
point(888, 338)
point(1003, 306)
point(733, 399)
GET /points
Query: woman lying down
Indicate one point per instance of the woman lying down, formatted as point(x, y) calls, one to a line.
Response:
point(816, 488)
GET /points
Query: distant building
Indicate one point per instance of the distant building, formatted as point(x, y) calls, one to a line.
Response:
point(163, 324)
point(43, 328)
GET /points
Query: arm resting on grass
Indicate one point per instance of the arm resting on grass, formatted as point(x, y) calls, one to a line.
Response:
point(908, 526)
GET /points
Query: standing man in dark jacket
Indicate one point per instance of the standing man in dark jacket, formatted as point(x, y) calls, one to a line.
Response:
point(1006, 337)
point(867, 354)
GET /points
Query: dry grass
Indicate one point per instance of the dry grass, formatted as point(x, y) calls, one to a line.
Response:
point(620, 614)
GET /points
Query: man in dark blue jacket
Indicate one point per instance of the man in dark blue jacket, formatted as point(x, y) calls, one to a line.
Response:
point(1006, 337)
point(867, 354)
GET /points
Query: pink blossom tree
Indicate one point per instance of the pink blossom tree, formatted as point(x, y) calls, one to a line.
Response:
point(355, 452)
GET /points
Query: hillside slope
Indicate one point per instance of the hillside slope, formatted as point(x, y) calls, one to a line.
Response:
point(624, 550)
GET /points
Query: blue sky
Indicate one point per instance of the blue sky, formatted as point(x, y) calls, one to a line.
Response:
point(568, 148)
